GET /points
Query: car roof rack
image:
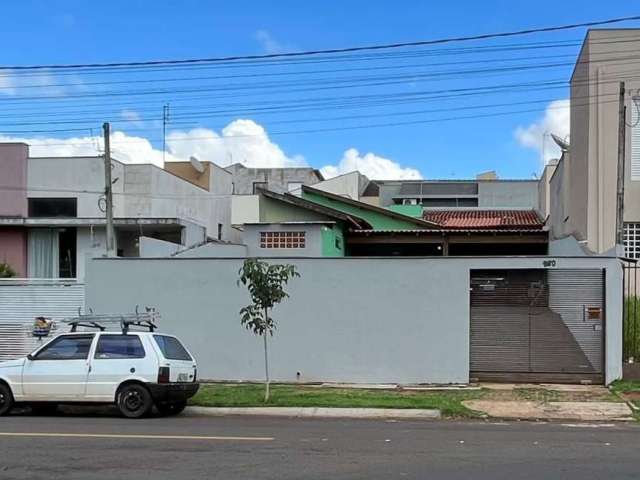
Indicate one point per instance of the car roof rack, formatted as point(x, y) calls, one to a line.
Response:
point(146, 320)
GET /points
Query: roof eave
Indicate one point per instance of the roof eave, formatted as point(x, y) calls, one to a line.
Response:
point(373, 208)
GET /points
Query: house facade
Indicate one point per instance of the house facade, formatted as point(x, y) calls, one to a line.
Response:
point(319, 224)
point(481, 193)
point(53, 210)
point(584, 183)
point(247, 181)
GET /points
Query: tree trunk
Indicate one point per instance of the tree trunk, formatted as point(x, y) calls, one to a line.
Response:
point(266, 362)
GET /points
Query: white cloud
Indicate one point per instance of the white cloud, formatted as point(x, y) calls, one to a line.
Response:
point(7, 83)
point(241, 141)
point(125, 148)
point(371, 165)
point(536, 136)
point(43, 83)
point(269, 44)
point(130, 115)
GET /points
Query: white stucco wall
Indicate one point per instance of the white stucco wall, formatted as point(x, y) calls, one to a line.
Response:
point(348, 185)
point(140, 190)
point(152, 247)
point(90, 243)
point(81, 177)
point(348, 320)
point(245, 209)
point(219, 250)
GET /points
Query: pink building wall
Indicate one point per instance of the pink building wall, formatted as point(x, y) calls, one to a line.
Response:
point(13, 203)
point(13, 249)
point(13, 173)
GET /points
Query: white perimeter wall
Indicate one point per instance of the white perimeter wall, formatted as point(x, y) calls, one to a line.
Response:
point(348, 319)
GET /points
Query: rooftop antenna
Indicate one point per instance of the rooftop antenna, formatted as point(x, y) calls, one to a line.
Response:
point(196, 164)
point(165, 120)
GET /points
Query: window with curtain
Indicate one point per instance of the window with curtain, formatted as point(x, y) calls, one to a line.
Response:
point(43, 253)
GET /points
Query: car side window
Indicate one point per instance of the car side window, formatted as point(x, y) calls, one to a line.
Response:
point(119, 346)
point(70, 347)
point(171, 348)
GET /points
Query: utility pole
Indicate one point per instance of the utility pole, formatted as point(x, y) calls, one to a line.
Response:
point(108, 191)
point(622, 137)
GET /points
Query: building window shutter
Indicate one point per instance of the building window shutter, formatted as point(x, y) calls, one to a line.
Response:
point(635, 139)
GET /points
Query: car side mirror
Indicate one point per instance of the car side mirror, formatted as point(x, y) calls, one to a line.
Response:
point(30, 357)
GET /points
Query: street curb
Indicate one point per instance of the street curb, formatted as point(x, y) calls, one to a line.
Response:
point(318, 412)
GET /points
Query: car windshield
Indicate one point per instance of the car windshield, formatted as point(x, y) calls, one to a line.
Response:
point(171, 348)
point(74, 347)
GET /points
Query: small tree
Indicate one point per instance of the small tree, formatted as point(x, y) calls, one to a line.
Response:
point(266, 287)
point(6, 271)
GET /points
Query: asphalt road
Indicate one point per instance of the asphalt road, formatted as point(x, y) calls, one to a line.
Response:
point(103, 446)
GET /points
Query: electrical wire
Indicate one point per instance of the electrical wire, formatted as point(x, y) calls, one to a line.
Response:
point(388, 46)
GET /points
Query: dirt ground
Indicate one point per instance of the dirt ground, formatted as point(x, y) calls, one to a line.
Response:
point(548, 393)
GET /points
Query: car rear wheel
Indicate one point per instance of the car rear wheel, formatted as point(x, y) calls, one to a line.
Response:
point(6, 399)
point(171, 408)
point(134, 401)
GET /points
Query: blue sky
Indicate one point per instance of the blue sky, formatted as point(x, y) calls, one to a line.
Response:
point(43, 32)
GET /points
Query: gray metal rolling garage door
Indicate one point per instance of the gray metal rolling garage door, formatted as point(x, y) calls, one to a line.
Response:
point(23, 300)
point(537, 325)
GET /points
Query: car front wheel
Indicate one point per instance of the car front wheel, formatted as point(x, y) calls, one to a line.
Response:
point(6, 399)
point(171, 408)
point(134, 401)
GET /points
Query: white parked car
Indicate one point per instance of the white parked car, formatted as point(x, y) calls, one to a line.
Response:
point(134, 370)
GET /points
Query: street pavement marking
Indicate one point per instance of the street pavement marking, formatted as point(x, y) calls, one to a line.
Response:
point(152, 437)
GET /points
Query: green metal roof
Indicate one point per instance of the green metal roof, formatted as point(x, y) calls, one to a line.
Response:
point(379, 218)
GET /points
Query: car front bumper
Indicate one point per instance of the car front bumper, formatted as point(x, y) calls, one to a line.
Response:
point(172, 392)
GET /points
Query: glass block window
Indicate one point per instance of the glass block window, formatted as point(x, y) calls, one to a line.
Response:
point(632, 240)
point(282, 240)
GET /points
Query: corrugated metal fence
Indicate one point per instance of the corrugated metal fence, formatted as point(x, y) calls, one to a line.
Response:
point(21, 300)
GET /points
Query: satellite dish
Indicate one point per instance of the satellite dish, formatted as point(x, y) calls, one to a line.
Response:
point(196, 164)
point(562, 143)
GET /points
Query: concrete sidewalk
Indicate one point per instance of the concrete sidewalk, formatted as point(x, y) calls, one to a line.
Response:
point(528, 410)
point(319, 412)
point(551, 402)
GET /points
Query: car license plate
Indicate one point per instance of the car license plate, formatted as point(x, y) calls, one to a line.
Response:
point(183, 377)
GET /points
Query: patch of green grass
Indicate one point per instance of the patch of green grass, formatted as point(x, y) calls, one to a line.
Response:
point(251, 395)
point(625, 386)
point(621, 387)
point(631, 327)
point(538, 395)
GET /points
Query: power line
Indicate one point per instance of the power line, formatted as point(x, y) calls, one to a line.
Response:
point(306, 53)
point(441, 73)
point(348, 102)
point(317, 130)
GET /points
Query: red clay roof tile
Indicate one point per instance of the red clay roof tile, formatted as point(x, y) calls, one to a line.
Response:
point(511, 219)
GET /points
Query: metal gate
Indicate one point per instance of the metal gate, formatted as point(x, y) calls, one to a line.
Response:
point(537, 325)
point(631, 313)
point(23, 300)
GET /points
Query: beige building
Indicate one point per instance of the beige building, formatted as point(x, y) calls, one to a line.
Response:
point(582, 188)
